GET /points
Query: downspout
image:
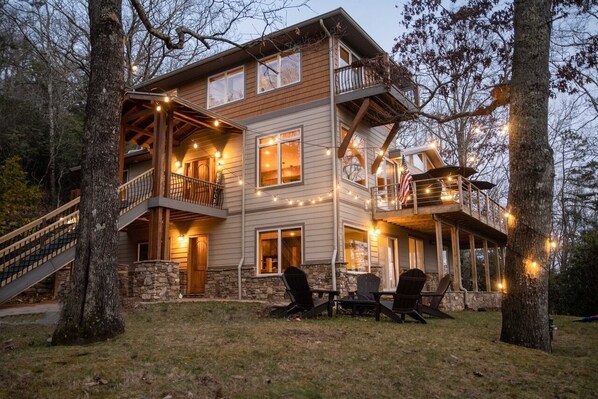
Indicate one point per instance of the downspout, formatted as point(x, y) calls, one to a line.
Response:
point(242, 260)
point(333, 145)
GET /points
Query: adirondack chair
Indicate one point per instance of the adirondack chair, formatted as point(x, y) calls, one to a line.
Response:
point(435, 297)
point(362, 300)
point(302, 297)
point(406, 298)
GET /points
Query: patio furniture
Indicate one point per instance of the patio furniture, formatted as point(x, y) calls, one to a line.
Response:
point(302, 297)
point(361, 300)
point(435, 297)
point(405, 298)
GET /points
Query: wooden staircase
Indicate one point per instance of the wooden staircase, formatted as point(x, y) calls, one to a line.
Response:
point(42, 247)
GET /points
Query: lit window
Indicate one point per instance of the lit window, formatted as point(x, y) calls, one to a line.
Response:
point(356, 250)
point(354, 160)
point(416, 253)
point(278, 71)
point(279, 158)
point(279, 249)
point(226, 87)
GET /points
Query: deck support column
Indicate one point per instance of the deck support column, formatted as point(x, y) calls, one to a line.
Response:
point(487, 266)
point(159, 216)
point(439, 246)
point(456, 258)
point(473, 260)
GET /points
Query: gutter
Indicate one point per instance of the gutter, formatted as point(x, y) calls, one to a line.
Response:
point(333, 142)
point(242, 260)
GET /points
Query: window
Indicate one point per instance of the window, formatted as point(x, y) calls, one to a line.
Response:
point(416, 253)
point(354, 160)
point(356, 250)
point(278, 71)
point(279, 249)
point(142, 251)
point(345, 56)
point(226, 87)
point(279, 158)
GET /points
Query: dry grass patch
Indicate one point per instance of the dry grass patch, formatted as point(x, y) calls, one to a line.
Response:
point(211, 350)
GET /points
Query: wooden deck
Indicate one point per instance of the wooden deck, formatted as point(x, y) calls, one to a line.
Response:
point(456, 203)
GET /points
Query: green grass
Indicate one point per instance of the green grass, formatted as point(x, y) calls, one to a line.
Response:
point(207, 350)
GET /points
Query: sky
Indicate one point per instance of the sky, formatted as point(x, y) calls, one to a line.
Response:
point(379, 18)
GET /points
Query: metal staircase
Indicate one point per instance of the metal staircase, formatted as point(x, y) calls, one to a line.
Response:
point(37, 250)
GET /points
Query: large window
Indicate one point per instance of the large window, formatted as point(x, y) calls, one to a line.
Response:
point(279, 158)
point(354, 161)
point(226, 87)
point(278, 71)
point(416, 253)
point(278, 249)
point(356, 250)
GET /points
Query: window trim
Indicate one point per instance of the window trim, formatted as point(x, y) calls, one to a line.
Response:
point(352, 55)
point(279, 141)
point(278, 230)
point(366, 231)
point(225, 74)
point(279, 57)
point(365, 157)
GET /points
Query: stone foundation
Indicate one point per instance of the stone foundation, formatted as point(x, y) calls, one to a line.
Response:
point(154, 280)
point(471, 300)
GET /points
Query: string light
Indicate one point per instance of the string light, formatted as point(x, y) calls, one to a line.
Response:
point(158, 108)
point(216, 122)
point(328, 152)
point(195, 145)
point(166, 99)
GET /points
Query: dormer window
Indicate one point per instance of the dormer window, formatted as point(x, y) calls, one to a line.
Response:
point(226, 87)
point(278, 71)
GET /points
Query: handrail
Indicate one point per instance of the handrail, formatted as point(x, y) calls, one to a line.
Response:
point(369, 72)
point(44, 219)
point(32, 250)
point(441, 191)
point(196, 191)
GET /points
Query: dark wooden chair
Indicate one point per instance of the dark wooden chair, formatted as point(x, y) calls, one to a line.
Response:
point(406, 298)
point(362, 300)
point(302, 297)
point(434, 298)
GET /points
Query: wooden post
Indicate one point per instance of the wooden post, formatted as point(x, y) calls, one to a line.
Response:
point(414, 195)
point(474, 266)
point(460, 181)
point(121, 155)
point(347, 139)
point(456, 258)
point(439, 260)
point(487, 267)
point(168, 155)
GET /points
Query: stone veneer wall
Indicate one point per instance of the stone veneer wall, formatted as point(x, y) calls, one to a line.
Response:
point(471, 300)
point(223, 283)
point(154, 280)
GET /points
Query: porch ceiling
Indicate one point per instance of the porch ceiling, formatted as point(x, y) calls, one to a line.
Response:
point(139, 115)
point(425, 224)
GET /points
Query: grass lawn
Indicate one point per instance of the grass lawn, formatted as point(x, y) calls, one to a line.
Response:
point(230, 350)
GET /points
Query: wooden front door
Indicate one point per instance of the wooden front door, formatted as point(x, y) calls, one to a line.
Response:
point(198, 169)
point(197, 264)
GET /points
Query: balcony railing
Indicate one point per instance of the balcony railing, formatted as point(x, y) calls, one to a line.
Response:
point(201, 192)
point(454, 190)
point(367, 73)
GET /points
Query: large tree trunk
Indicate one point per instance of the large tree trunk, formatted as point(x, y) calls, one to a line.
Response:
point(92, 310)
point(525, 305)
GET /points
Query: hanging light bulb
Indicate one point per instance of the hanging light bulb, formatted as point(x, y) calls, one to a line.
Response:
point(328, 152)
point(216, 122)
point(195, 146)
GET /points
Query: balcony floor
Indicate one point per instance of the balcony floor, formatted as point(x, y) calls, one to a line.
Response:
point(451, 214)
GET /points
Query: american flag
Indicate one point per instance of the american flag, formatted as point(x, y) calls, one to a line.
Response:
point(404, 183)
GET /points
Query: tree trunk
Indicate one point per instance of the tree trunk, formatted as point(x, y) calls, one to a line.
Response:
point(92, 309)
point(525, 305)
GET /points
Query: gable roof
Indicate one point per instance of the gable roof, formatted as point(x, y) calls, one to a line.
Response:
point(337, 21)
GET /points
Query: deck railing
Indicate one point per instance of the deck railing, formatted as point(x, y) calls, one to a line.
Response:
point(438, 192)
point(201, 192)
point(366, 73)
point(39, 241)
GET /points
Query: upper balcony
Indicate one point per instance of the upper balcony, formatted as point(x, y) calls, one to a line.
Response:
point(454, 199)
point(391, 92)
